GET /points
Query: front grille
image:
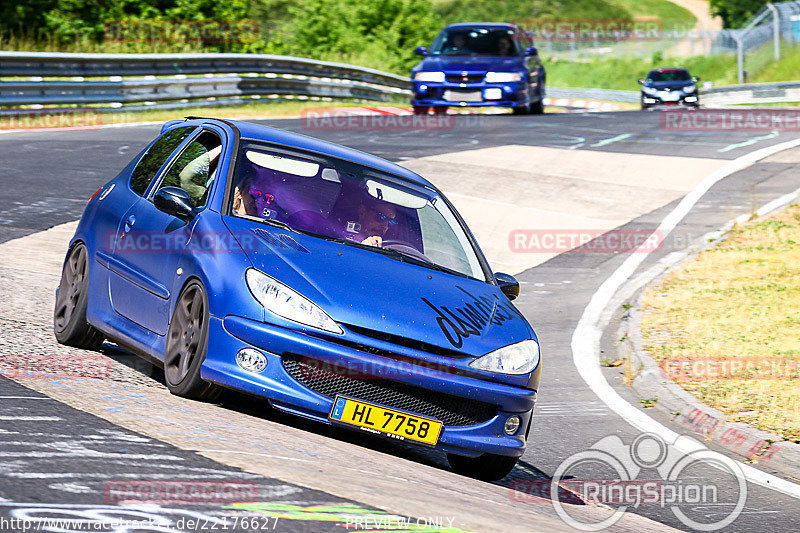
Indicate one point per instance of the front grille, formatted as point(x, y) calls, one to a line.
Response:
point(406, 342)
point(451, 410)
point(458, 78)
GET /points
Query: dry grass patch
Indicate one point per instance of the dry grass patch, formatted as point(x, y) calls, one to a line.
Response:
point(730, 319)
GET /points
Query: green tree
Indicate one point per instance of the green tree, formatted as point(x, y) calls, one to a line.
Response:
point(735, 13)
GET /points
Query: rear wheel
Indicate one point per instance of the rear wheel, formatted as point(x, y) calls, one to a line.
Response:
point(486, 467)
point(420, 110)
point(187, 343)
point(69, 316)
point(440, 110)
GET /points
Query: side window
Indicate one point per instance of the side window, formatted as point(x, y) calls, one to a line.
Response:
point(196, 167)
point(156, 155)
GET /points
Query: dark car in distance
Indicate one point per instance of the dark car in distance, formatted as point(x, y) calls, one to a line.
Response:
point(479, 65)
point(669, 86)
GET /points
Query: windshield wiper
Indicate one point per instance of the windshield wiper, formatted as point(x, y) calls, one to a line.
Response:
point(403, 257)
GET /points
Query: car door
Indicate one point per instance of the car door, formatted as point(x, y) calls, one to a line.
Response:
point(150, 242)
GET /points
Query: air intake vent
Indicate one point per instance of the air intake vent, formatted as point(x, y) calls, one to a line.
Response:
point(291, 243)
point(281, 241)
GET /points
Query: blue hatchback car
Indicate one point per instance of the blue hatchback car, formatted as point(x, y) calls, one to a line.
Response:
point(339, 286)
point(479, 64)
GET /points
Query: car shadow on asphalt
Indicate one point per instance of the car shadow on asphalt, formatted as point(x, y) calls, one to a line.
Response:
point(526, 483)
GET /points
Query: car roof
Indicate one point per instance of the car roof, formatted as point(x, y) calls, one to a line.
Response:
point(259, 132)
point(669, 69)
point(487, 25)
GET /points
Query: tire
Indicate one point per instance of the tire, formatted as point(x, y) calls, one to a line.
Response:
point(69, 316)
point(187, 343)
point(522, 110)
point(420, 110)
point(440, 110)
point(537, 108)
point(486, 467)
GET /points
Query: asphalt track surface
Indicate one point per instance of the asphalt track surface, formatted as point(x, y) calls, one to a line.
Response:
point(46, 178)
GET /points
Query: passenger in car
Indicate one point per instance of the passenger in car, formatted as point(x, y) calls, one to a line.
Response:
point(252, 197)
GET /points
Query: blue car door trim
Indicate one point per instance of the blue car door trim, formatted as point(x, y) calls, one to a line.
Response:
point(135, 276)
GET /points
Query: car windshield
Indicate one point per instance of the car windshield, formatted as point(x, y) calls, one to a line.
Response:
point(476, 42)
point(353, 204)
point(669, 75)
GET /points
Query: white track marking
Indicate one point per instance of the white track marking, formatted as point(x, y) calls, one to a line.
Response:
point(587, 335)
point(31, 418)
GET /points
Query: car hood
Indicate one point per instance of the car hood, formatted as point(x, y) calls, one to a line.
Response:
point(671, 85)
point(471, 63)
point(366, 289)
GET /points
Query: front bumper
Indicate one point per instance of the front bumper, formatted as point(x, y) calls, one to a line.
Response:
point(512, 94)
point(229, 335)
point(670, 98)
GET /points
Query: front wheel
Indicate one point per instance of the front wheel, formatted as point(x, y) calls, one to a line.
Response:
point(537, 108)
point(69, 316)
point(420, 110)
point(486, 467)
point(440, 110)
point(187, 343)
point(522, 110)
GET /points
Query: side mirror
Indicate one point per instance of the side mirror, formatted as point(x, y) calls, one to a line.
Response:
point(696, 79)
point(176, 202)
point(531, 51)
point(508, 284)
point(641, 81)
point(421, 51)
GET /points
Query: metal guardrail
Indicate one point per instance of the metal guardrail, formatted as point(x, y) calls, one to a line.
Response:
point(611, 95)
point(164, 80)
point(254, 75)
point(752, 93)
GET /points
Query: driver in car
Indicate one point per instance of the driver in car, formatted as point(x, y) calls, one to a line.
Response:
point(251, 197)
point(375, 217)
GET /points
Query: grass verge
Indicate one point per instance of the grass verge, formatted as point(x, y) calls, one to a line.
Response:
point(726, 326)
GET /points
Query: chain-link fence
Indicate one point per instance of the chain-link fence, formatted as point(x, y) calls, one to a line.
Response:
point(773, 27)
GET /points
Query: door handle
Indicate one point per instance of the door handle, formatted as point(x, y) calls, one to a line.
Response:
point(128, 225)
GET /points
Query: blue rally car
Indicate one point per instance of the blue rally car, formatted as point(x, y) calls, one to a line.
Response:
point(479, 64)
point(339, 286)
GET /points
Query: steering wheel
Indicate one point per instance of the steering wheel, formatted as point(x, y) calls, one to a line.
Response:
point(406, 248)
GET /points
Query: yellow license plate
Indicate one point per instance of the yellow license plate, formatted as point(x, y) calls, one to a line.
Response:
point(384, 421)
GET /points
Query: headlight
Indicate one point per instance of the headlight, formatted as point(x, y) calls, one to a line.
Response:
point(283, 301)
point(435, 77)
point(519, 358)
point(649, 90)
point(502, 77)
point(690, 89)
